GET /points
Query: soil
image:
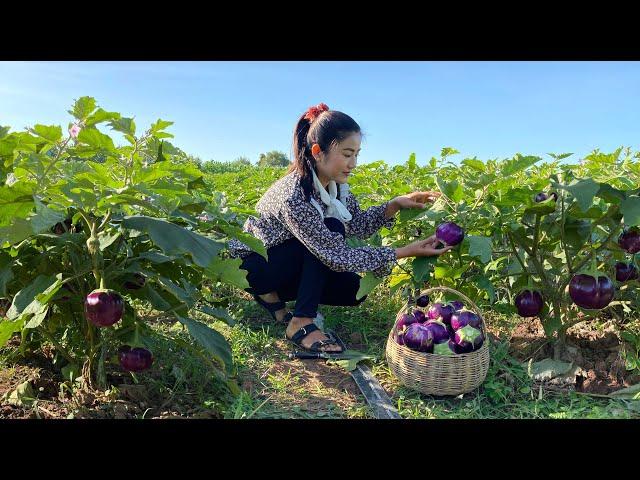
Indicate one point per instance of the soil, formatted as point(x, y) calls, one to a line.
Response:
point(597, 352)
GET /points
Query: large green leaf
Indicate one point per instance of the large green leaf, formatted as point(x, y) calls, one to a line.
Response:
point(124, 125)
point(422, 267)
point(583, 191)
point(16, 201)
point(452, 189)
point(367, 284)
point(517, 164)
point(51, 133)
point(83, 107)
point(176, 240)
point(228, 271)
point(100, 116)
point(483, 283)
point(8, 328)
point(630, 209)
point(96, 139)
point(25, 302)
point(211, 340)
point(480, 247)
point(254, 243)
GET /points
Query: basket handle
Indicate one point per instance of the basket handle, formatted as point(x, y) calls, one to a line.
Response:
point(455, 292)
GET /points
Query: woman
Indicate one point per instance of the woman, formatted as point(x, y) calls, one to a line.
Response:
point(304, 219)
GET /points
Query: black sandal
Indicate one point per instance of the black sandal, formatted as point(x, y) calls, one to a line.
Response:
point(272, 308)
point(316, 346)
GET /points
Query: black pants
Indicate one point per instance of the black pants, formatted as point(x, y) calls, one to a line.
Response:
point(296, 274)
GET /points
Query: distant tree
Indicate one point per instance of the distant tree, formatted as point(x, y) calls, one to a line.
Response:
point(242, 161)
point(273, 159)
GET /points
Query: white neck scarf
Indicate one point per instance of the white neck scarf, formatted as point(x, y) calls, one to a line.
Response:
point(335, 208)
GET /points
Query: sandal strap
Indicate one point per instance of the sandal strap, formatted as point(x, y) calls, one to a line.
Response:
point(272, 307)
point(303, 332)
point(287, 317)
point(316, 346)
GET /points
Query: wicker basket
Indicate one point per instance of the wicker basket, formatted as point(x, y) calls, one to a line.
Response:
point(439, 374)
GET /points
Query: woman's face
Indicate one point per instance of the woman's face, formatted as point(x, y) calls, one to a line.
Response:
point(337, 163)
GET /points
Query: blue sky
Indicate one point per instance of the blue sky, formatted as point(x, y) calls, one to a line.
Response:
point(223, 110)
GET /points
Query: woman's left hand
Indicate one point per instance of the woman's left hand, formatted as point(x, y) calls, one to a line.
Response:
point(416, 199)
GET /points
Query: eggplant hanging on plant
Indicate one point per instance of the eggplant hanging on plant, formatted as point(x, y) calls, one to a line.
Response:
point(103, 307)
point(529, 303)
point(135, 359)
point(592, 292)
point(626, 272)
point(541, 197)
point(450, 233)
point(629, 240)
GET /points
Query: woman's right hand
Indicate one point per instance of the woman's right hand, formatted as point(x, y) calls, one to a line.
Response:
point(422, 248)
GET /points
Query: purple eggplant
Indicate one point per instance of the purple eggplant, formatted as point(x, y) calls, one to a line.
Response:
point(438, 330)
point(135, 359)
point(529, 303)
point(629, 240)
point(422, 301)
point(468, 339)
point(419, 337)
point(462, 318)
point(103, 308)
point(449, 233)
point(626, 271)
point(590, 292)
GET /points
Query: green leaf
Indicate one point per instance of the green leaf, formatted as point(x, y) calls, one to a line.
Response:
point(547, 369)
point(100, 116)
point(452, 189)
point(252, 242)
point(22, 396)
point(349, 359)
point(483, 283)
point(367, 284)
point(480, 247)
point(51, 133)
point(630, 209)
point(124, 125)
point(175, 240)
point(106, 239)
point(96, 139)
point(422, 267)
point(37, 318)
point(26, 297)
point(543, 208)
point(475, 164)
point(446, 151)
point(583, 191)
point(407, 214)
point(156, 257)
point(550, 325)
point(218, 313)
point(83, 107)
point(517, 164)
point(211, 340)
point(159, 126)
point(610, 194)
point(45, 218)
point(228, 271)
point(8, 328)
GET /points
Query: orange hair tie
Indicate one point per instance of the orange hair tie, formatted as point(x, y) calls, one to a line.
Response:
point(314, 112)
